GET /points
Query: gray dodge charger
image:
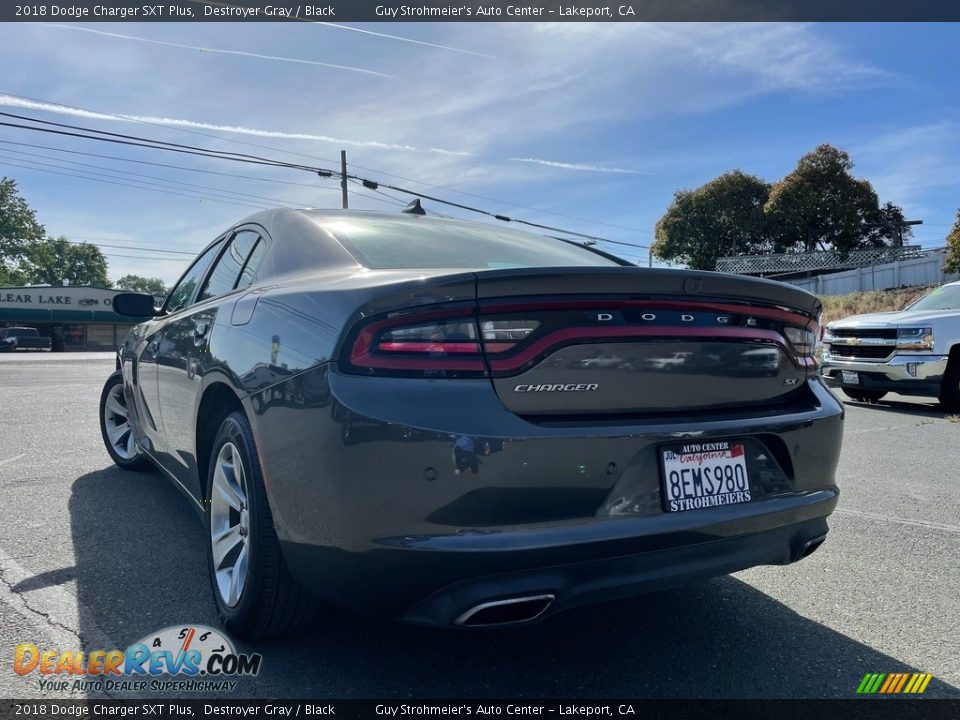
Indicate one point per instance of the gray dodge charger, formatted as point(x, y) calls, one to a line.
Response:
point(457, 424)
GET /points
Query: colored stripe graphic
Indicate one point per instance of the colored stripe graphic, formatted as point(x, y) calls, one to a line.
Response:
point(894, 683)
point(903, 680)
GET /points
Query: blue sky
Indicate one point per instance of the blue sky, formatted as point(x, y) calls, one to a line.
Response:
point(591, 127)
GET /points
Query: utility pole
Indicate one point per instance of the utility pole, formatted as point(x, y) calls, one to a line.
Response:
point(901, 226)
point(343, 177)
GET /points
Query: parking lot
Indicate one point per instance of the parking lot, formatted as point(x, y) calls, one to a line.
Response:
point(92, 556)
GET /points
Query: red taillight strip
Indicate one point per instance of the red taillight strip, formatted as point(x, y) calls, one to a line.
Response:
point(360, 351)
point(366, 360)
point(558, 337)
point(793, 318)
point(361, 354)
point(426, 346)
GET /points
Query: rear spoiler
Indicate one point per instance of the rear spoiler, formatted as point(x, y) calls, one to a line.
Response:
point(641, 282)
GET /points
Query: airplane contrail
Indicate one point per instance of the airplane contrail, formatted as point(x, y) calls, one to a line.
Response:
point(577, 166)
point(221, 51)
point(404, 39)
point(12, 101)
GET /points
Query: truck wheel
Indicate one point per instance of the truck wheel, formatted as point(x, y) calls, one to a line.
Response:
point(950, 388)
point(864, 395)
point(255, 595)
point(115, 426)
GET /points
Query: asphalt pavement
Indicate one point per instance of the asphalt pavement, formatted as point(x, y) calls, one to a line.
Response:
point(94, 557)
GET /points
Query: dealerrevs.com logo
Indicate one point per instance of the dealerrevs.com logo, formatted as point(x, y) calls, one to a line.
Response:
point(179, 658)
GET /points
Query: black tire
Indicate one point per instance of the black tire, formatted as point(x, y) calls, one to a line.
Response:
point(950, 387)
point(271, 604)
point(136, 463)
point(864, 395)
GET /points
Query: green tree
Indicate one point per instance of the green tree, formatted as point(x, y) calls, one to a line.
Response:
point(821, 206)
point(55, 261)
point(723, 217)
point(18, 229)
point(952, 263)
point(138, 283)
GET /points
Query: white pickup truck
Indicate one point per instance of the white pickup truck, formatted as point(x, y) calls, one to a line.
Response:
point(915, 351)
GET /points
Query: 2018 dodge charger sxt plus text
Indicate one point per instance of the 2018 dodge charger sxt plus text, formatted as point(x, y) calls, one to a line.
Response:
point(415, 417)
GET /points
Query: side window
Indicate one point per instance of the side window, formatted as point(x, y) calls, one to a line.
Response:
point(180, 296)
point(224, 276)
point(250, 269)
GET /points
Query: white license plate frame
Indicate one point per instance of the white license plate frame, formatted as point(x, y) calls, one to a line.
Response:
point(849, 377)
point(704, 475)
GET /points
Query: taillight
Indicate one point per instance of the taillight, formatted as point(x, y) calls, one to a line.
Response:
point(803, 340)
point(501, 339)
point(444, 343)
point(501, 336)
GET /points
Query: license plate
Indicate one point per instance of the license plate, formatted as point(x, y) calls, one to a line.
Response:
point(703, 475)
point(850, 378)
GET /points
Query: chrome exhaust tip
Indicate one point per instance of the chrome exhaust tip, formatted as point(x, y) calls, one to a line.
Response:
point(810, 547)
point(512, 611)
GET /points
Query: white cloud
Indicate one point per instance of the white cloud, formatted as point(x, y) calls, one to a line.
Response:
point(11, 101)
point(905, 164)
point(575, 97)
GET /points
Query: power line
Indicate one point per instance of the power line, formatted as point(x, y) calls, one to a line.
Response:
point(134, 247)
point(242, 157)
point(220, 191)
point(135, 141)
point(121, 239)
point(176, 128)
point(371, 184)
point(130, 185)
point(142, 257)
point(262, 146)
point(496, 200)
point(167, 165)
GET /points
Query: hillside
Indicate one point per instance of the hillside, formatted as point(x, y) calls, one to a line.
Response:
point(836, 307)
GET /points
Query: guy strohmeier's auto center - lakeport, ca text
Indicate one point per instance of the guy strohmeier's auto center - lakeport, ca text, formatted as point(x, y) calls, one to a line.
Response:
point(482, 11)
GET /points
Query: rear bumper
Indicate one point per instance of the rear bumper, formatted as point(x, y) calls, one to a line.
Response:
point(906, 374)
point(620, 576)
point(378, 507)
point(436, 580)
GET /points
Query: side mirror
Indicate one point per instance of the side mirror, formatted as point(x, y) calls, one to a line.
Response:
point(134, 304)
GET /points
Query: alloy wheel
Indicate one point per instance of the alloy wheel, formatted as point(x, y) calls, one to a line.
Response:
point(116, 419)
point(230, 524)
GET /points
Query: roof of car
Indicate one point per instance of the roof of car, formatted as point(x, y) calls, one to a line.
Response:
point(301, 228)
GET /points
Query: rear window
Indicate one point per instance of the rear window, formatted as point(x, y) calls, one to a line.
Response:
point(23, 332)
point(409, 244)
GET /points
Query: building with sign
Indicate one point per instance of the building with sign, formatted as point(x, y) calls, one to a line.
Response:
point(75, 318)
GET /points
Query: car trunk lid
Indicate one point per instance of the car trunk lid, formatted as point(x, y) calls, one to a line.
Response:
point(589, 341)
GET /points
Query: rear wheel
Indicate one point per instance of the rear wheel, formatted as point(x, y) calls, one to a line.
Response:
point(253, 590)
point(115, 426)
point(950, 388)
point(864, 395)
